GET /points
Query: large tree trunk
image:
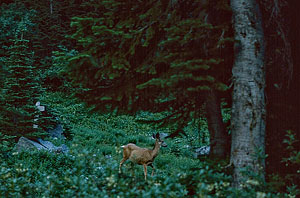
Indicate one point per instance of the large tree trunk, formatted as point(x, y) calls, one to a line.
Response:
point(217, 132)
point(248, 107)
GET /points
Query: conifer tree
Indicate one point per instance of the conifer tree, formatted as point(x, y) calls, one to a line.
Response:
point(154, 55)
point(51, 24)
point(20, 89)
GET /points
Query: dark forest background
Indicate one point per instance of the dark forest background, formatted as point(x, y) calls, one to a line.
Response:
point(63, 50)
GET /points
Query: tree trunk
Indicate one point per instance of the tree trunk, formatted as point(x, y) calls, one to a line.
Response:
point(217, 132)
point(248, 107)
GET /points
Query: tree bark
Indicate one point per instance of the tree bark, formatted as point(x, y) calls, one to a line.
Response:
point(217, 132)
point(248, 107)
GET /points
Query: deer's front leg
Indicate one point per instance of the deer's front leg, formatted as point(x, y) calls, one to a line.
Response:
point(121, 163)
point(145, 171)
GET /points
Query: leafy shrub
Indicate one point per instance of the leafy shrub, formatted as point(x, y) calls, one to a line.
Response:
point(90, 169)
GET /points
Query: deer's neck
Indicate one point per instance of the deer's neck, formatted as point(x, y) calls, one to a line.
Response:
point(155, 150)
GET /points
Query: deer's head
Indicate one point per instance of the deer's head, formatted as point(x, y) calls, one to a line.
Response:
point(159, 140)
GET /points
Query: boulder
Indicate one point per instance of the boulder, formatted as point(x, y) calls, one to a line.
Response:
point(51, 147)
point(202, 151)
point(163, 135)
point(25, 144)
point(57, 132)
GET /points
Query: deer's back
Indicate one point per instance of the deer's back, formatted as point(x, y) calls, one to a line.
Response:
point(138, 155)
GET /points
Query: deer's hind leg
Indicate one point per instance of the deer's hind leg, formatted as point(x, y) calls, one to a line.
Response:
point(151, 165)
point(145, 171)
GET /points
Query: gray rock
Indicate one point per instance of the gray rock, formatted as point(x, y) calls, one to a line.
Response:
point(202, 151)
point(24, 144)
point(64, 149)
point(51, 147)
point(57, 132)
point(163, 135)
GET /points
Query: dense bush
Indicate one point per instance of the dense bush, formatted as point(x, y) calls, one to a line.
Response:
point(90, 169)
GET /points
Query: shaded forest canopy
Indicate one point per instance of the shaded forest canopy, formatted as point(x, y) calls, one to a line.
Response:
point(167, 57)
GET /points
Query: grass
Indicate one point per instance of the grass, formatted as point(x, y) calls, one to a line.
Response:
point(90, 169)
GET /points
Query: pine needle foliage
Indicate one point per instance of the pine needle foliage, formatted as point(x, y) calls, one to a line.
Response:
point(150, 55)
point(20, 90)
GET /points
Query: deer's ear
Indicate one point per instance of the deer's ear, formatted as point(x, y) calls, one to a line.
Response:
point(157, 135)
point(153, 136)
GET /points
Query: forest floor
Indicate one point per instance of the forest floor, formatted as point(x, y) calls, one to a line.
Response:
point(90, 169)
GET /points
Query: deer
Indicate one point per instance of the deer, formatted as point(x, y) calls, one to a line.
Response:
point(142, 156)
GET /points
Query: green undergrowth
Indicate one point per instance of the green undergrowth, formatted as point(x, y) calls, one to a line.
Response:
point(90, 169)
